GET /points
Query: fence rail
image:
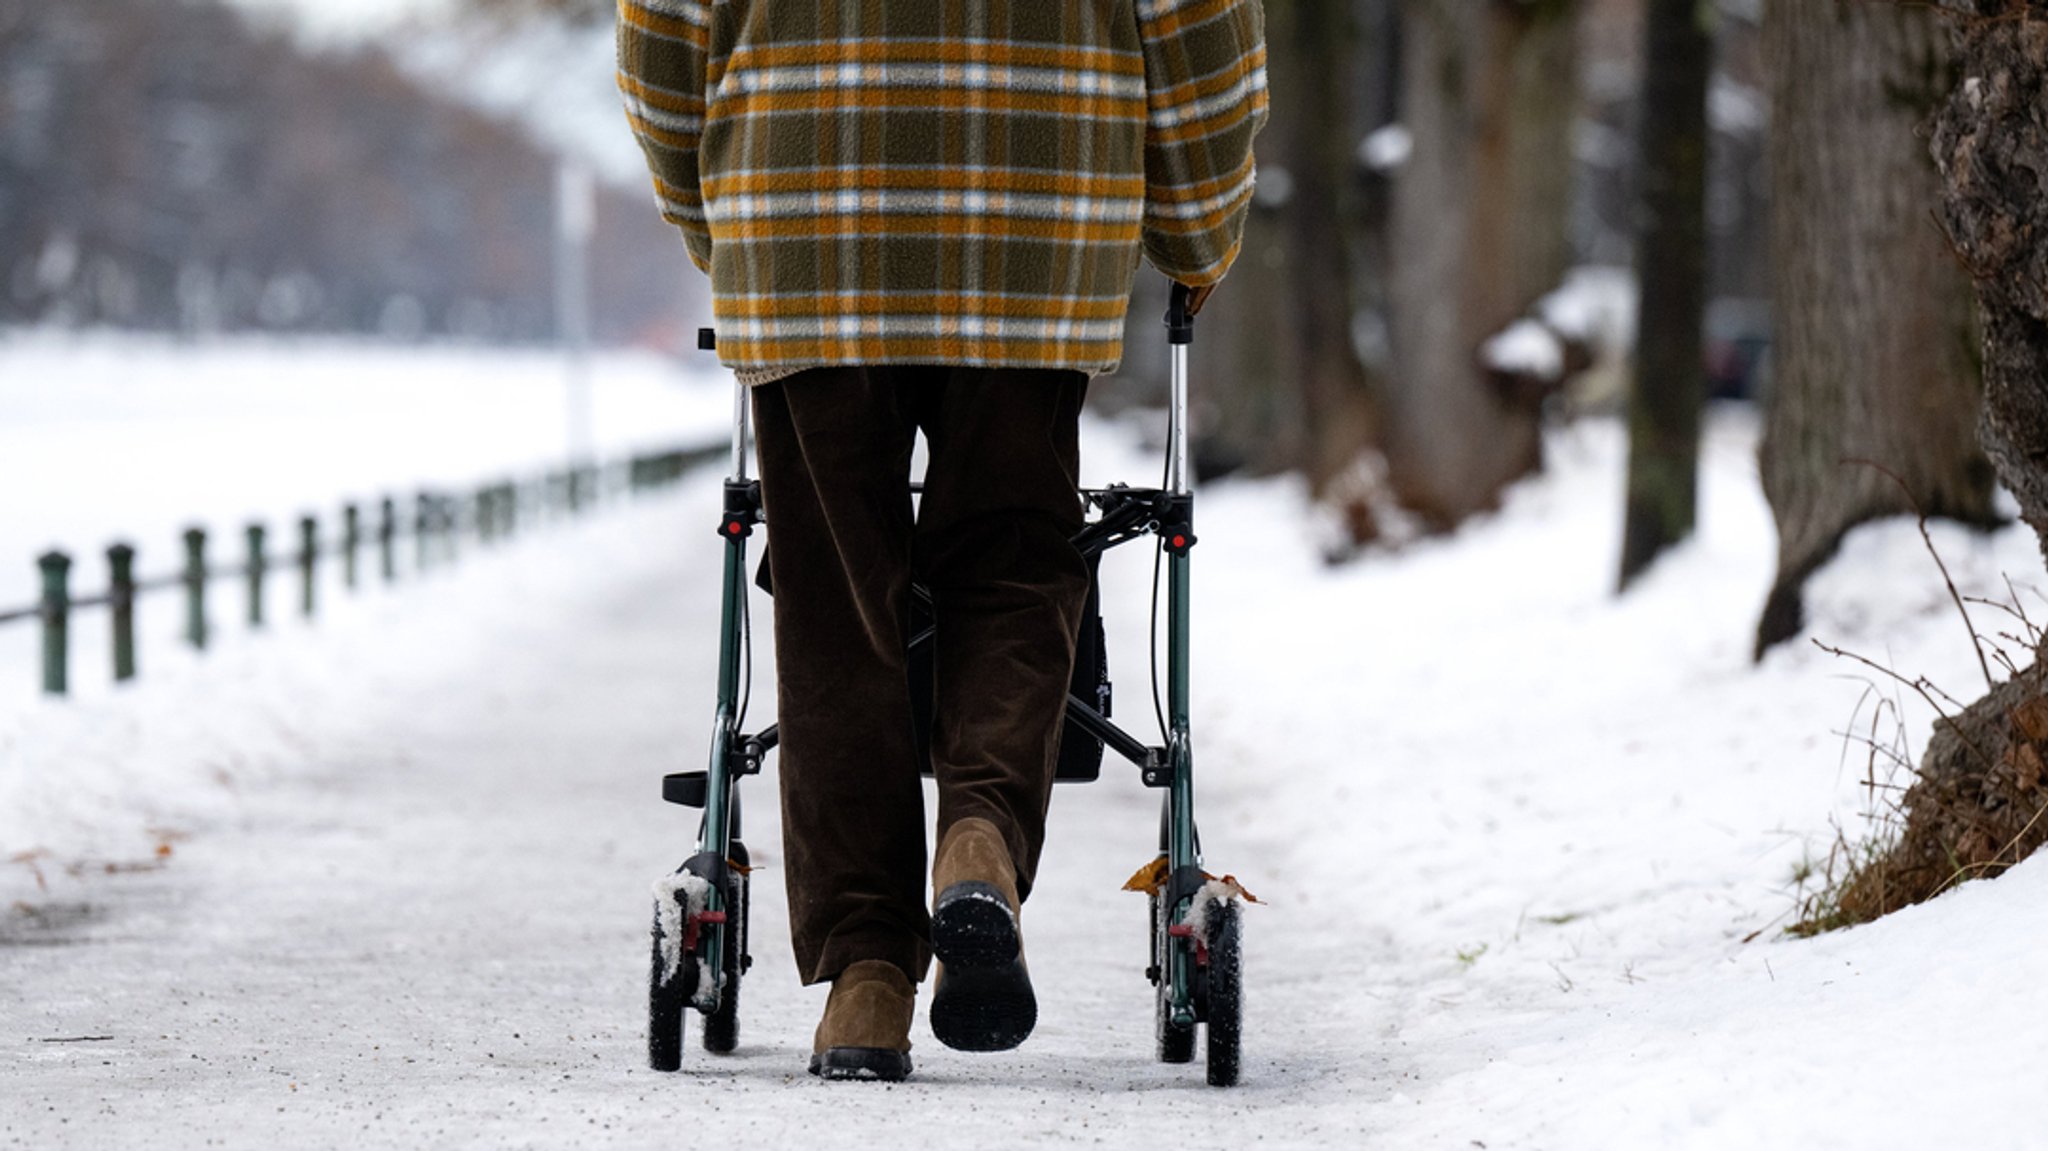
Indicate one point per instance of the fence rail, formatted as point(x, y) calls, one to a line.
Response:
point(437, 524)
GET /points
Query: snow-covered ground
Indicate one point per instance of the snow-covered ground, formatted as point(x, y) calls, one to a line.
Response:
point(1526, 851)
point(136, 438)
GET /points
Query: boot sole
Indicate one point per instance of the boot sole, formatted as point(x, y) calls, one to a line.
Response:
point(984, 1008)
point(973, 926)
point(882, 1064)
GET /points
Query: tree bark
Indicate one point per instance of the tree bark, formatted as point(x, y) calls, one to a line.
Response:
point(1337, 394)
point(1980, 804)
point(1669, 387)
point(1991, 141)
point(1478, 231)
point(1877, 386)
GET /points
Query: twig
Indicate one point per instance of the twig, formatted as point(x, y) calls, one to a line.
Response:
point(76, 1039)
point(1976, 641)
point(1921, 687)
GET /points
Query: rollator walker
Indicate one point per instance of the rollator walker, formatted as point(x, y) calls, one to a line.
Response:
point(700, 953)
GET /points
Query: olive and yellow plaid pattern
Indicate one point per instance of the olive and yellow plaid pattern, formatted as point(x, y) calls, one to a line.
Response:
point(944, 181)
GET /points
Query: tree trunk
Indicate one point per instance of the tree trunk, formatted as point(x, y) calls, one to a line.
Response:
point(1479, 231)
point(1669, 387)
point(1877, 383)
point(1981, 802)
point(1991, 140)
point(1318, 221)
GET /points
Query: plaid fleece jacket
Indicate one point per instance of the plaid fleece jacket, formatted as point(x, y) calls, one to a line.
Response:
point(943, 181)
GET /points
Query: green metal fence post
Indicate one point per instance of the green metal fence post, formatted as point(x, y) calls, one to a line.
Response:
point(309, 563)
point(121, 605)
point(351, 538)
point(195, 587)
point(255, 574)
point(56, 567)
point(387, 534)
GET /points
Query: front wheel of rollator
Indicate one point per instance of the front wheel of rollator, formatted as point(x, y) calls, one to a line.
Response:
point(1175, 1041)
point(722, 1027)
point(1226, 993)
point(667, 995)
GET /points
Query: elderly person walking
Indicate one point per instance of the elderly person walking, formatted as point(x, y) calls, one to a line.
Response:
point(926, 215)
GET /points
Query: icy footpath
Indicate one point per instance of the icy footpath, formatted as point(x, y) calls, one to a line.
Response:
point(1525, 850)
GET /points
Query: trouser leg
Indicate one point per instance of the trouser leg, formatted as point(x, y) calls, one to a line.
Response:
point(993, 542)
point(835, 450)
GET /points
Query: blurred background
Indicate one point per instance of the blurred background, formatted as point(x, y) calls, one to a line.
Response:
point(1454, 199)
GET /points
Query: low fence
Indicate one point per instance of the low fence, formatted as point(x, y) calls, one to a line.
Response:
point(434, 525)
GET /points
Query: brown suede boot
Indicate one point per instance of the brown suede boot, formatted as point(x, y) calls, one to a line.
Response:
point(983, 999)
point(865, 1033)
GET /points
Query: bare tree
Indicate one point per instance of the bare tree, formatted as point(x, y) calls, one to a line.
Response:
point(1478, 232)
point(1877, 387)
point(1317, 230)
point(169, 166)
point(1669, 387)
point(1991, 141)
point(1980, 804)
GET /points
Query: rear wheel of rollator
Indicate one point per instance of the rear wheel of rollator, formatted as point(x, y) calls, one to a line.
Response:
point(1175, 1041)
point(722, 1027)
point(665, 1000)
point(1226, 993)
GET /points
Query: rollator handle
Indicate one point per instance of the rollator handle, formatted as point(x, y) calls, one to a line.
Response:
point(1181, 307)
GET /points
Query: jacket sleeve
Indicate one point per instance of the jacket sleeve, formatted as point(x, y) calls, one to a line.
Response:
point(1205, 79)
point(662, 50)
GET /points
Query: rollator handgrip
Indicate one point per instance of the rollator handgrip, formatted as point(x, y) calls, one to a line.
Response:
point(1180, 316)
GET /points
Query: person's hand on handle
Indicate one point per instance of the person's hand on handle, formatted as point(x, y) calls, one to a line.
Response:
point(1196, 296)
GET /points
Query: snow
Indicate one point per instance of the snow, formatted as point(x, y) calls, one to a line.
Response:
point(1595, 305)
point(1207, 898)
point(1525, 348)
point(1387, 148)
point(677, 897)
point(1526, 850)
point(107, 437)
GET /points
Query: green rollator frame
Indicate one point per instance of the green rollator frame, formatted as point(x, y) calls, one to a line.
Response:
point(1195, 961)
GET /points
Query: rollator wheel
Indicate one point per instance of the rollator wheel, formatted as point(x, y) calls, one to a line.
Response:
point(1176, 1042)
point(722, 1027)
point(1226, 993)
point(665, 1001)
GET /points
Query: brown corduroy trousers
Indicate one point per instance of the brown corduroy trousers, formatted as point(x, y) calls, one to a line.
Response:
point(990, 538)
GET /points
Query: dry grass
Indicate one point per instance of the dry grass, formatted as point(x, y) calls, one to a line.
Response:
point(1975, 805)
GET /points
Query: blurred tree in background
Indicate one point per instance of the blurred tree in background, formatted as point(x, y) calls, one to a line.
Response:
point(1878, 385)
point(166, 166)
point(1478, 232)
point(1670, 379)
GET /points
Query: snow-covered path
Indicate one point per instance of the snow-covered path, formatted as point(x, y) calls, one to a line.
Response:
point(1515, 838)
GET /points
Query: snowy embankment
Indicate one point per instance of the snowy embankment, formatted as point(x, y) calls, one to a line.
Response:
point(1526, 850)
point(106, 438)
point(136, 438)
